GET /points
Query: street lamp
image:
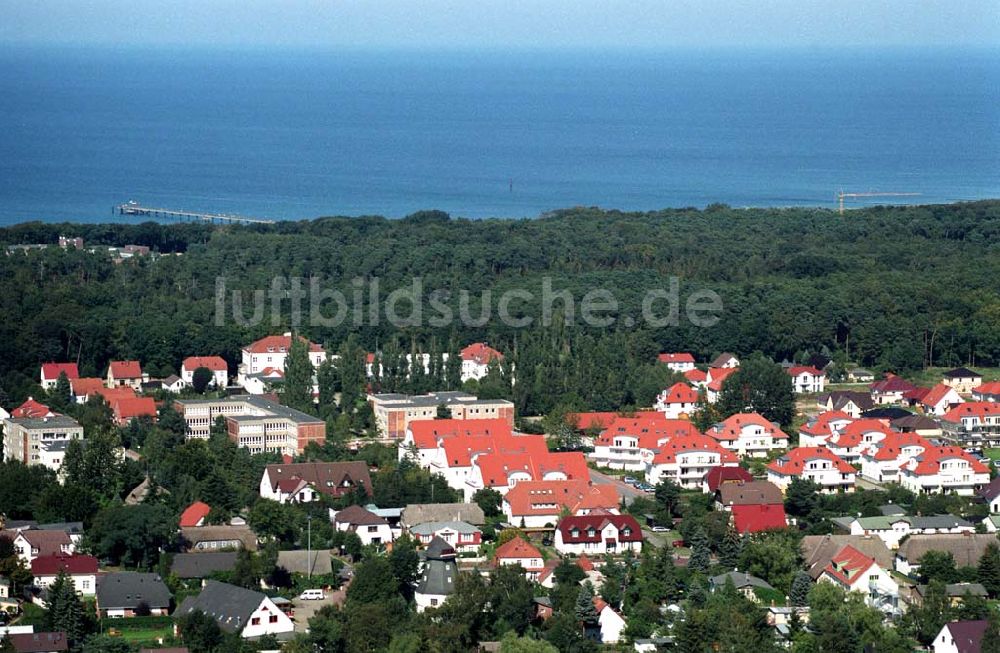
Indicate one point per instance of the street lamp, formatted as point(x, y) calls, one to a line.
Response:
point(309, 525)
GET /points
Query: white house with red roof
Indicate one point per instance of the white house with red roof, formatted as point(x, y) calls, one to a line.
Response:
point(697, 378)
point(82, 570)
point(807, 379)
point(880, 461)
point(86, 387)
point(816, 464)
point(678, 362)
point(987, 392)
point(749, 435)
point(517, 551)
point(612, 624)
point(974, 421)
point(502, 471)
point(126, 409)
point(686, 460)
point(819, 429)
point(271, 351)
point(536, 504)
point(848, 442)
point(476, 359)
point(126, 373)
point(940, 399)
point(679, 400)
point(626, 441)
point(598, 534)
point(423, 439)
point(725, 360)
point(853, 571)
point(262, 383)
point(944, 469)
point(890, 390)
point(714, 379)
point(50, 372)
point(215, 364)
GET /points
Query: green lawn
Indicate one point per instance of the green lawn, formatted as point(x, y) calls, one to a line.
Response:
point(992, 454)
point(146, 635)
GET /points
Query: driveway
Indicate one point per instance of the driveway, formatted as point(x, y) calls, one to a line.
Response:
point(304, 610)
point(626, 491)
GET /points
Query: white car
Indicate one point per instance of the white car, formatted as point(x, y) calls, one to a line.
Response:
point(312, 595)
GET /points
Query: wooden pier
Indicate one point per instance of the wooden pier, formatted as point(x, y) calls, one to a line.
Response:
point(134, 208)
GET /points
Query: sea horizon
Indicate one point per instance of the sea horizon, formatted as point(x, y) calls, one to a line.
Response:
point(301, 133)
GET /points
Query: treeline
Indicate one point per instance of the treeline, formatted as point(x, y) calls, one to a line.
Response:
point(892, 288)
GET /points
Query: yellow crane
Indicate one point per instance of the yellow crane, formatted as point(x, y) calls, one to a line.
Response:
point(841, 195)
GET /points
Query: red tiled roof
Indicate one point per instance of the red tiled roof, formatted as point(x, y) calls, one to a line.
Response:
point(31, 408)
point(649, 430)
point(852, 434)
point(666, 453)
point(891, 383)
point(916, 394)
point(516, 549)
point(480, 353)
point(194, 514)
point(793, 462)
point(722, 474)
point(127, 408)
point(214, 363)
point(86, 386)
point(552, 497)
point(584, 563)
point(891, 447)
point(675, 358)
point(718, 375)
point(71, 564)
point(805, 369)
point(936, 394)
point(496, 468)
point(732, 426)
point(587, 421)
point(126, 369)
point(991, 388)
point(276, 345)
point(427, 433)
point(929, 461)
point(111, 395)
point(848, 565)
point(583, 522)
point(821, 424)
point(53, 370)
point(754, 518)
point(980, 409)
point(696, 376)
point(680, 393)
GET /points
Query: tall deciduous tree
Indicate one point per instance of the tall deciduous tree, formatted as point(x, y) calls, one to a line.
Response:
point(759, 386)
point(201, 378)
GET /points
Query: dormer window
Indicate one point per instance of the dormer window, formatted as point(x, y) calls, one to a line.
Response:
point(591, 532)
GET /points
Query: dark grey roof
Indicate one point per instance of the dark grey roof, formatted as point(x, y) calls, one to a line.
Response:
point(297, 562)
point(438, 577)
point(71, 527)
point(991, 490)
point(438, 549)
point(201, 565)
point(891, 510)
point(886, 412)
point(958, 590)
point(915, 422)
point(741, 579)
point(962, 373)
point(229, 605)
point(128, 589)
point(56, 421)
point(419, 513)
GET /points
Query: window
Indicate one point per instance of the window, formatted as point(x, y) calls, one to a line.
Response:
point(273, 619)
point(373, 529)
point(255, 621)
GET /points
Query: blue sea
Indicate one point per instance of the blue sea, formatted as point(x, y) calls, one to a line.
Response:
point(301, 134)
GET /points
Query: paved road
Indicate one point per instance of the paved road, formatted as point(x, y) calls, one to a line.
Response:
point(624, 490)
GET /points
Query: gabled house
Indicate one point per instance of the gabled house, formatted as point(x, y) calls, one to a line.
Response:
point(987, 392)
point(714, 380)
point(697, 378)
point(206, 539)
point(126, 373)
point(756, 518)
point(967, 549)
point(749, 493)
point(131, 594)
point(940, 399)
point(476, 359)
point(853, 571)
point(748, 435)
point(127, 409)
point(679, 400)
point(517, 551)
point(49, 375)
point(678, 362)
point(371, 528)
point(463, 537)
point(962, 379)
point(944, 469)
point(725, 360)
point(806, 379)
point(536, 504)
point(890, 390)
point(215, 364)
point(611, 623)
point(271, 352)
point(304, 482)
point(881, 460)
point(724, 475)
point(188, 566)
point(237, 610)
point(31, 409)
point(686, 460)
point(990, 494)
point(961, 637)
point(34, 543)
point(848, 442)
point(744, 583)
point(421, 513)
point(86, 387)
point(819, 429)
point(81, 569)
point(598, 534)
point(817, 464)
point(851, 402)
point(818, 550)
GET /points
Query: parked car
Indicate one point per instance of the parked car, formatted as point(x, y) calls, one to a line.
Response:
point(645, 487)
point(658, 528)
point(312, 595)
point(631, 480)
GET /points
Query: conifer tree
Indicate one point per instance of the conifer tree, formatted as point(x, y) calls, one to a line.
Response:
point(66, 610)
point(701, 555)
point(801, 584)
point(297, 392)
point(989, 570)
point(585, 611)
point(453, 367)
point(62, 394)
point(729, 549)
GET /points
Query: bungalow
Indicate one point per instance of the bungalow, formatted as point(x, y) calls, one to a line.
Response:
point(368, 526)
point(238, 610)
point(860, 375)
point(304, 482)
point(461, 536)
point(759, 517)
point(944, 469)
point(725, 360)
point(50, 372)
point(853, 571)
point(744, 583)
point(598, 534)
point(748, 435)
point(962, 379)
point(131, 594)
point(967, 549)
point(890, 390)
point(961, 637)
point(987, 392)
point(215, 364)
point(678, 401)
point(204, 539)
point(517, 551)
point(126, 373)
point(892, 529)
point(940, 400)
point(81, 569)
point(686, 460)
point(611, 623)
point(678, 362)
point(816, 464)
point(536, 504)
point(807, 379)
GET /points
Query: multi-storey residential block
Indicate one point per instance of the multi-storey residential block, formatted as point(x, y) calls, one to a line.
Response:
point(394, 412)
point(40, 440)
point(817, 464)
point(944, 469)
point(254, 423)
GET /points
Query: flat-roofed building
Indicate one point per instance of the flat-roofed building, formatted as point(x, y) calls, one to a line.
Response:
point(394, 412)
point(254, 423)
point(40, 440)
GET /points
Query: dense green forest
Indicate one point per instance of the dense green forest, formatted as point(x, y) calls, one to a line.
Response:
point(891, 288)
